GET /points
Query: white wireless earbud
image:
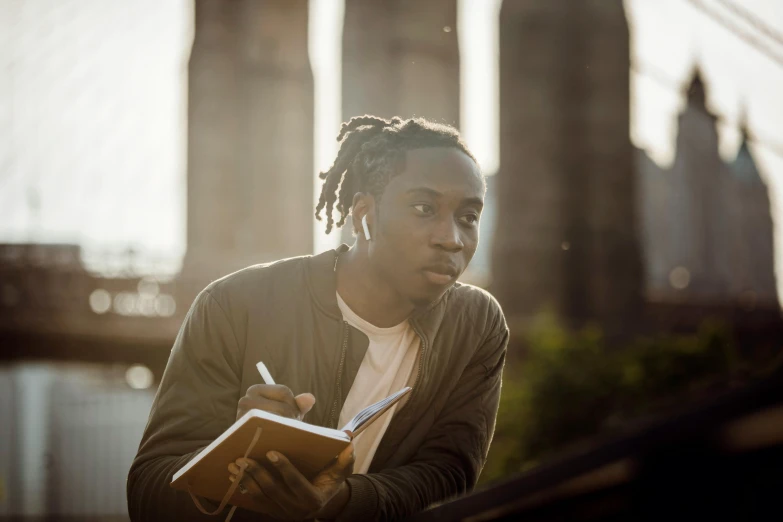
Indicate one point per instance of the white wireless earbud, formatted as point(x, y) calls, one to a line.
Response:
point(366, 229)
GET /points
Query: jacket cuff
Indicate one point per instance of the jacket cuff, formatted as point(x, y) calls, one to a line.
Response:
point(363, 503)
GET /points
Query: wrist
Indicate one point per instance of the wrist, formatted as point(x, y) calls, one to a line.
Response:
point(336, 504)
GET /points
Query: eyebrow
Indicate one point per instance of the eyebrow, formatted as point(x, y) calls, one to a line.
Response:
point(435, 194)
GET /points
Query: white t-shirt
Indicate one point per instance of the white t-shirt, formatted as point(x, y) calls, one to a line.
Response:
point(386, 368)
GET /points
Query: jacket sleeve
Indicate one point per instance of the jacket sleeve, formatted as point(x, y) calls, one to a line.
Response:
point(449, 462)
point(196, 401)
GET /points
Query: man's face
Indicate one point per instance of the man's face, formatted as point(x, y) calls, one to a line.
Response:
point(426, 229)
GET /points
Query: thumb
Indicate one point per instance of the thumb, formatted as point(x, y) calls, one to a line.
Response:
point(305, 401)
point(337, 471)
point(345, 459)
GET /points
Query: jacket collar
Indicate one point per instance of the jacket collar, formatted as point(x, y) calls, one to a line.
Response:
point(322, 281)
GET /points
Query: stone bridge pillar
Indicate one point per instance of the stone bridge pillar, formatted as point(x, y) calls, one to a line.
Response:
point(250, 135)
point(400, 58)
point(566, 237)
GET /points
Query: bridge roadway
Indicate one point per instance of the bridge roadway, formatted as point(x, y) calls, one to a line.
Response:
point(52, 308)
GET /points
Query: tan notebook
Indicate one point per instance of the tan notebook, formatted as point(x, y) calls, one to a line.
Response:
point(310, 448)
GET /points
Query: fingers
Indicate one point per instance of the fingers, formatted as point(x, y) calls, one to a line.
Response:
point(305, 401)
point(261, 476)
point(274, 392)
point(270, 488)
point(234, 469)
point(296, 482)
point(254, 490)
point(278, 408)
point(247, 481)
point(277, 399)
point(284, 490)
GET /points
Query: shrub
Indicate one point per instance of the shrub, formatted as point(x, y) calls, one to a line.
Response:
point(569, 388)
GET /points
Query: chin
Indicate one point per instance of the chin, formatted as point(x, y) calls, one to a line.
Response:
point(426, 296)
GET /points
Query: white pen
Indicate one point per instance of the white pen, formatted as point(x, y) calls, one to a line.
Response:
point(265, 373)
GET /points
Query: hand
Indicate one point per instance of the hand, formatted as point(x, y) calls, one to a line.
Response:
point(277, 399)
point(286, 494)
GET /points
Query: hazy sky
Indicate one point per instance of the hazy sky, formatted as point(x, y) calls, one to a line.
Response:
point(92, 115)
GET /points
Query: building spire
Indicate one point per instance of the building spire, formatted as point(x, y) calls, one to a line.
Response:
point(742, 123)
point(744, 166)
point(696, 92)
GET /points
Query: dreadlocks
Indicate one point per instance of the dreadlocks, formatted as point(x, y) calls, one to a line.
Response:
point(372, 151)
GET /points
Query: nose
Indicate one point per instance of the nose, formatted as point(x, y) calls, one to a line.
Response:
point(446, 236)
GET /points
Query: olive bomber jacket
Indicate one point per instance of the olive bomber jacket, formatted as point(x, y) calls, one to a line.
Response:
point(286, 314)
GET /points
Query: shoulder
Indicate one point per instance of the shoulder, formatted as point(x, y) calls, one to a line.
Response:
point(258, 281)
point(478, 306)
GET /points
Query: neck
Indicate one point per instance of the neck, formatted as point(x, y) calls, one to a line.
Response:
point(368, 294)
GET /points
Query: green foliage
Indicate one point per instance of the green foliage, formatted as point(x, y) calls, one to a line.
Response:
point(572, 387)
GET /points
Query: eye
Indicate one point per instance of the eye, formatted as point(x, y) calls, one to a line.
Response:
point(470, 219)
point(423, 208)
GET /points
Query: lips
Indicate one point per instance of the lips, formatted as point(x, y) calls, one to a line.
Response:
point(441, 274)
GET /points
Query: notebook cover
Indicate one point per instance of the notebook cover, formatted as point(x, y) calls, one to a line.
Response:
point(207, 473)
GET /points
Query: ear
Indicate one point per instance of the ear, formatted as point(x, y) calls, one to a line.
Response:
point(363, 205)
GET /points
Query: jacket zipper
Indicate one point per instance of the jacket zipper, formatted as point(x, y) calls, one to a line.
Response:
point(333, 415)
point(418, 371)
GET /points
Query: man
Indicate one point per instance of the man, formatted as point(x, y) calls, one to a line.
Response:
point(342, 330)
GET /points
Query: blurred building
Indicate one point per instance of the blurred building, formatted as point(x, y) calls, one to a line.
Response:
point(566, 238)
point(68, 436)
point(706, 224)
